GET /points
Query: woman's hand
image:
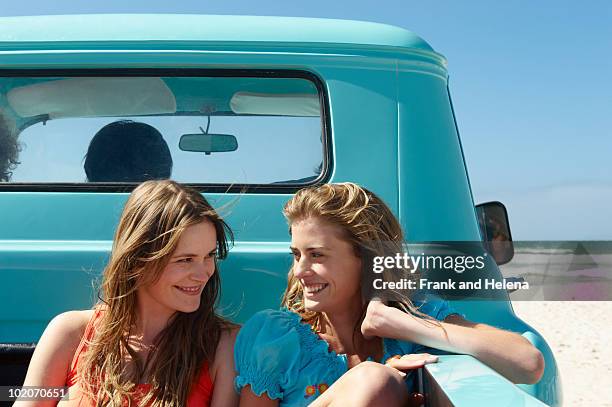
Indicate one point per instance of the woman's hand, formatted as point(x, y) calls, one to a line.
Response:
point(379, 320)
point(410, 362)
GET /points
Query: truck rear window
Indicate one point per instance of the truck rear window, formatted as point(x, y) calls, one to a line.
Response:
point(215, 128)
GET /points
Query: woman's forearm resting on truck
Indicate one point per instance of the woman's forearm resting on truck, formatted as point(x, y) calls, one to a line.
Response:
point(508, 353)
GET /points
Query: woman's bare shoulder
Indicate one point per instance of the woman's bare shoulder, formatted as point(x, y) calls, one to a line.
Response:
point(54, 351)
point(66, 330)
point(68, 327)
point(73, 321)
point(230, 332)
point(227, 339)
point(224, 354)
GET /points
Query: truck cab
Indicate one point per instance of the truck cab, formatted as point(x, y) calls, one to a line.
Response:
point(251, 109)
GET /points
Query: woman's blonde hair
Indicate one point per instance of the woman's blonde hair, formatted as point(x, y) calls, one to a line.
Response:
point(153, 220)
point(367, 223)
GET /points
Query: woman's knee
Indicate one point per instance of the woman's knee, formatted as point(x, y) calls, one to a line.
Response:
point(373, 371)
point(379, 383)
point(367, 384)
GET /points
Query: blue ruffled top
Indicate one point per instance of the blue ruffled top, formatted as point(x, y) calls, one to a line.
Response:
point(278, 354)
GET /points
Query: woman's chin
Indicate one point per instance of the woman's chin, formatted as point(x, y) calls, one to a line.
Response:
point(321, 306)
point(314, 306)
point(187, 308)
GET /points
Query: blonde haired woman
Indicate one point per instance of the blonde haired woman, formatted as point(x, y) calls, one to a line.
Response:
point(154, 339)
point(322, 348)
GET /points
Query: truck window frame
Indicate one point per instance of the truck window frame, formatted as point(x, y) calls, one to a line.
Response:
point(112, 187)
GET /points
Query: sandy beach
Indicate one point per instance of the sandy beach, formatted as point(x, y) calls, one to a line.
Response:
point(580, 335)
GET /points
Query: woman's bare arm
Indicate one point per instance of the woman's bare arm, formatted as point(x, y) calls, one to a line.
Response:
point(54, 351)
point(250, 399)
point(506, 352)
point(223, 371)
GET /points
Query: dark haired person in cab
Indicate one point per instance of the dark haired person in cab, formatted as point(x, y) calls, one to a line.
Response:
point(127, 151)
point(9, 150)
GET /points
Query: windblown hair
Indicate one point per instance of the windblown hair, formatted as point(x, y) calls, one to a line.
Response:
point(9, 151)
point(153, 220)
point(367, 223)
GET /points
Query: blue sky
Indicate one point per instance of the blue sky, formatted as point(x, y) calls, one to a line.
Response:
point(530, 83)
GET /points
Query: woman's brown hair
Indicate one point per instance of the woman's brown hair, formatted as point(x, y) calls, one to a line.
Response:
point(153, 220)
point(367, 223)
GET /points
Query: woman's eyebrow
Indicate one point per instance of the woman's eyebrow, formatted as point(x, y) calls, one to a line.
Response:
point(188, 254)
point(185, 255)
point(319, 247)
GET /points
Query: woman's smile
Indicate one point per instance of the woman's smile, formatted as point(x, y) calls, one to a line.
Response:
point(190, 290)
point(313, 289)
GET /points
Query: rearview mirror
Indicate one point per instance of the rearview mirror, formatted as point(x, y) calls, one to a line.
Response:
point(495, 231)
point(208, 143)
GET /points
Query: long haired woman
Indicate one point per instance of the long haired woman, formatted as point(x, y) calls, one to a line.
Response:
point(154, 339)
point(322, 349)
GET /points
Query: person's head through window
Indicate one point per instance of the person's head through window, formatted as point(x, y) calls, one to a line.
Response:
point(9, 152)
point(127, 151)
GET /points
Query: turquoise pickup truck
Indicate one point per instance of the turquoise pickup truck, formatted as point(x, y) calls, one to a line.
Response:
point(249, 109)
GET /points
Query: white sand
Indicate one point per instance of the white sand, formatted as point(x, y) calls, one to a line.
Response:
point(580, 335)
